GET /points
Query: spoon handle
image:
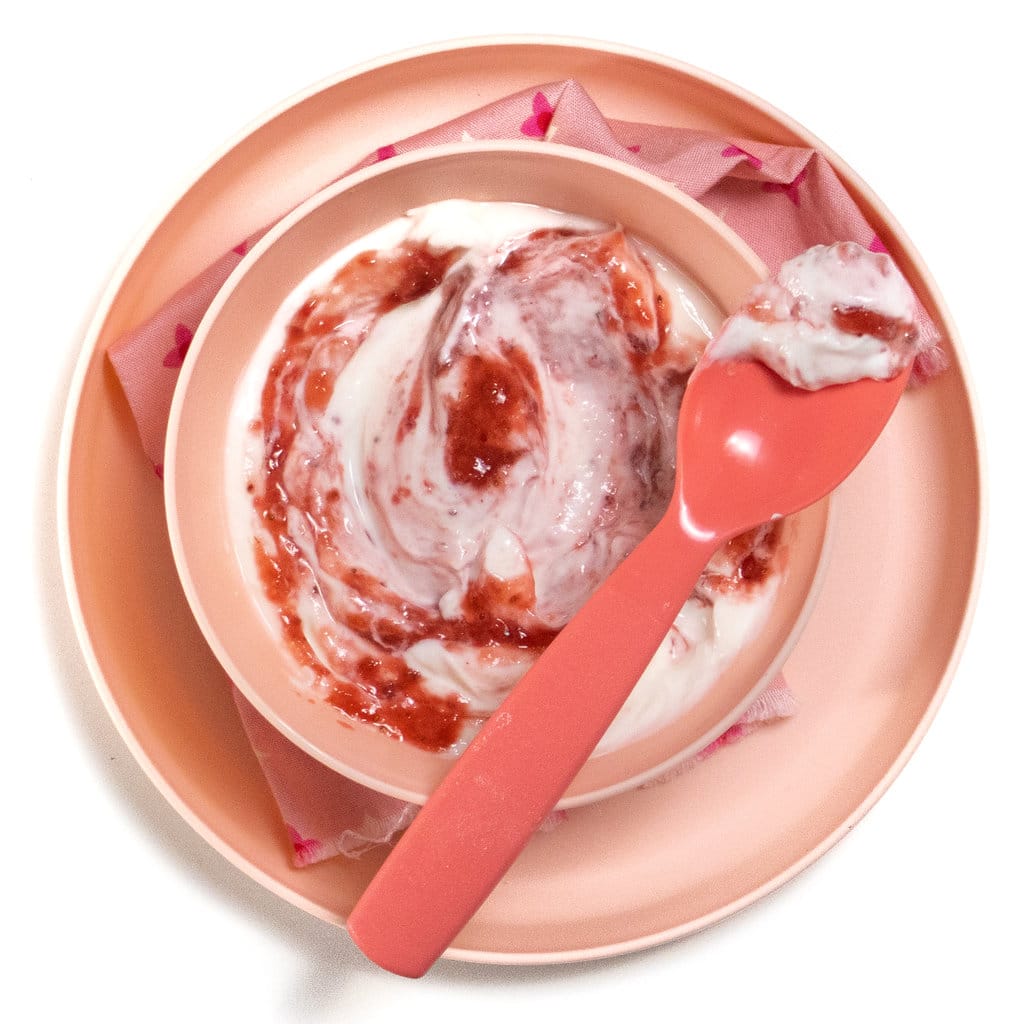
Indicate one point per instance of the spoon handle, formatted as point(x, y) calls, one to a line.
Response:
point(514, 772)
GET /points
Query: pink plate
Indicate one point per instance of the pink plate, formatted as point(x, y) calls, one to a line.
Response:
point(869, 670)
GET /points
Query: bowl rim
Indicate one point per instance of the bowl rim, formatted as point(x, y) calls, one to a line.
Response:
point(252, 256)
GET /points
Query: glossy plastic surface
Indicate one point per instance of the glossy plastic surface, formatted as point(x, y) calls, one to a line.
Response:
point(752, 447)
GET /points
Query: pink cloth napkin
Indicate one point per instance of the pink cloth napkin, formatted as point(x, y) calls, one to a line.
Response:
point(780, 199)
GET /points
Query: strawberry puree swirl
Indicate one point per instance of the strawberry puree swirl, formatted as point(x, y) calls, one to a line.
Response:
point(833, 314)
point(463, 427)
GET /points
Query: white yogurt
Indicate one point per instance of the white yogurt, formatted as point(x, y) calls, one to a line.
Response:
point(593, 475)
point(833, 314)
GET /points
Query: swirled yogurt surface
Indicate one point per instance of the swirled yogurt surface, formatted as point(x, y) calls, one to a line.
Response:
point(833, 314)
point(449, 437)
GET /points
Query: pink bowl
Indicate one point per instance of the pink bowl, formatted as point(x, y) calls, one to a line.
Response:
point(196, 493)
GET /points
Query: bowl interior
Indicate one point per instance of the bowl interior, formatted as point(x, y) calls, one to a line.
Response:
point(225, 607)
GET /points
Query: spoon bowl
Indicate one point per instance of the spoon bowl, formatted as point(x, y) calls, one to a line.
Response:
point(765, 448)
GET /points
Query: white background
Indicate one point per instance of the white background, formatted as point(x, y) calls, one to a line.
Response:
point(115, 908)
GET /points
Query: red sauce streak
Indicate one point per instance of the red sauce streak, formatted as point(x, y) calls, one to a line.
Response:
point(497, 401)
point(486, 594)
point(392, 697)
point(858, 320)
point(637, 305)
point(318, 344)
point(412, 411)
point(517, 259)
point(640, 306)
point(319, 386)
point(752, 557)
point(762, 311)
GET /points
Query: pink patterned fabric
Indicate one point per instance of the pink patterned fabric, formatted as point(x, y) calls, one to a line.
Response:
point(780, 199)
point(324, 813)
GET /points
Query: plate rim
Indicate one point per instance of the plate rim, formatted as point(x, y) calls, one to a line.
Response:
point(89, 347)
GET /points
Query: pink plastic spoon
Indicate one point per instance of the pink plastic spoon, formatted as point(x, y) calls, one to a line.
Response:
point(750, 447)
